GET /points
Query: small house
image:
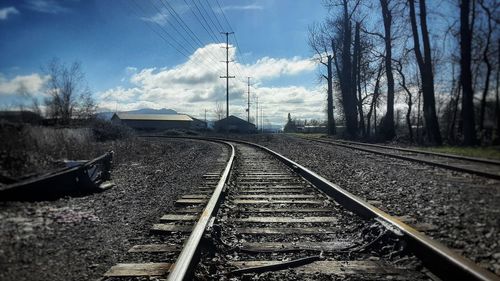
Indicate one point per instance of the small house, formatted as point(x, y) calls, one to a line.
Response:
point(153, 122)
point(233, 124)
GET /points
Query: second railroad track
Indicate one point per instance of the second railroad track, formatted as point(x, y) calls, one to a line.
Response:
point(479, 166)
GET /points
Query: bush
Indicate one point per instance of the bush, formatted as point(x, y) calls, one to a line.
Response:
point(26, 149)
point(105, 130)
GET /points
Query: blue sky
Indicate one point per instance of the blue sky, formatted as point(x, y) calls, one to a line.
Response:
point(122, 57)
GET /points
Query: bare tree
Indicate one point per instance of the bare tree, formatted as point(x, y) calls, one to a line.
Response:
point(342, 58)
point(33, 104)
point(497, 99)
point(487, 62)
point(319, 42)
point(219, 110)
point(409, 96)
point(426, 72)
point(373, 104)
point(387, 127)
point(86, 106)
point(356, 75)
point(67, 90)
point(468, 122)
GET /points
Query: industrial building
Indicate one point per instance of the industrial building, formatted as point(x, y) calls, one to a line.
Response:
point(234, 124)
point(157, 122)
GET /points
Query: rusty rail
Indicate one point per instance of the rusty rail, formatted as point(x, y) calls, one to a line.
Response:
point(454, 167)
point(182, 269)
point(441, 260)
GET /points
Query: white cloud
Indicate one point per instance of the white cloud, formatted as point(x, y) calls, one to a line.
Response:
point(32, 84)
point(46, 6)
point(243, 7)
point(270, 67)
point(5, 12)
point(195, 85)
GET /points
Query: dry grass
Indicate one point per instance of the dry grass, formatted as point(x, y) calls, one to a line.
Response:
point(28, 149)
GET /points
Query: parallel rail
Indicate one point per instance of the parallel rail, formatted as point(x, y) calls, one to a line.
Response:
point(492, 172)
point(441, 260)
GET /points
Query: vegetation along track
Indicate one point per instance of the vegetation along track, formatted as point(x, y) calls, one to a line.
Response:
point(478, 166)
point(282, 221)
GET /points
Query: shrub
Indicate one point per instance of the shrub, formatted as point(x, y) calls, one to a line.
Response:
point(105, 130)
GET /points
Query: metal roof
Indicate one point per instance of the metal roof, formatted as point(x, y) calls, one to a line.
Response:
point(154, 117)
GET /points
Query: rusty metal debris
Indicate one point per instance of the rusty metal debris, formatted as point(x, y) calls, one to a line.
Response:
point(79, 179)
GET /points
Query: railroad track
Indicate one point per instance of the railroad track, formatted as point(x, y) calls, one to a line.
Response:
point(261, 213)
point(472, 165)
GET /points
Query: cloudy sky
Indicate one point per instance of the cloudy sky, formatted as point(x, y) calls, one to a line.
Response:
point(167, 54)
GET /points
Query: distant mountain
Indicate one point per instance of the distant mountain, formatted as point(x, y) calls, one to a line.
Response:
point(152, 111)
point(108, 114)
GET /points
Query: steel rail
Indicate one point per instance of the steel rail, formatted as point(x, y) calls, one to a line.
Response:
point(183, 266)
point(414, 159)
point(440, 259)
point(452, 156)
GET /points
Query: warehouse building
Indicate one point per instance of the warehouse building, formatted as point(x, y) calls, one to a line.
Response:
point(234, 124)
point(157, 122)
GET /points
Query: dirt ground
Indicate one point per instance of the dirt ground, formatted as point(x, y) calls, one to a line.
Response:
point(80, 238)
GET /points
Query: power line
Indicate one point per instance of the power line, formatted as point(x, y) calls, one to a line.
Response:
point(201, 23)
point(175, 28)
point(186, 28)
point(238, 69)
point(160, 35)
point(215, 15)
point(228, 24)
point(208, 15)
point(185, 52)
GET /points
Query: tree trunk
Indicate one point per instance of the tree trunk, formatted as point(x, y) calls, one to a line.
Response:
point(455, 111)
point(497, 99)
point(486, 60)
point(409, 102)
point(357, 75)
point(387, 129)
point(373, 105)
point(348, 97)
point(485, 93)
point(408, 118)
point(425, 66)
point(331, 118)
point(418, 116)
point(469, 129)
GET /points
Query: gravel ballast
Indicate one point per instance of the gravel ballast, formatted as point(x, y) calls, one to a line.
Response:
point(80, 238)
point(460, 210)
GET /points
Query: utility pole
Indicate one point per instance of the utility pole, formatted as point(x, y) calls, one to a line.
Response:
point(248, 97)
point(261, 120)
point(227, 73)
point(257, 112)
point(206, 117)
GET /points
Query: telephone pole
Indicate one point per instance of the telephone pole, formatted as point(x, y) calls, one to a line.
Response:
point(257, 112)
point(261, 120)
point(248, 97)
point(227, 72)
